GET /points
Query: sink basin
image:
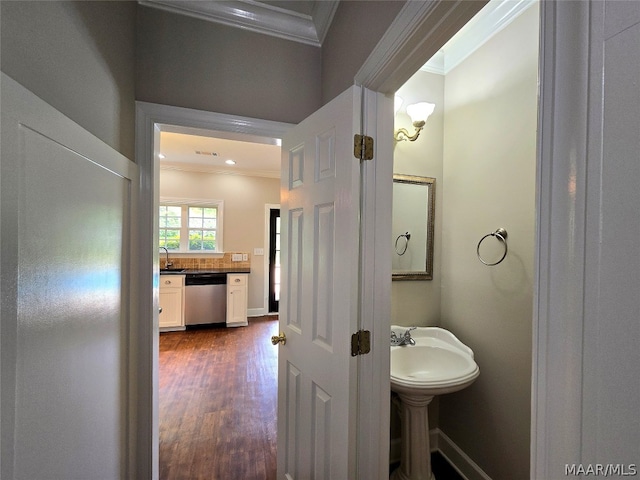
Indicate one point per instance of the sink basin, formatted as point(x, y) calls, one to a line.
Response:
point(172, 270)
point(438, 363)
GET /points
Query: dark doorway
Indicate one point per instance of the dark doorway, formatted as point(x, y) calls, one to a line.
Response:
point(274, 260)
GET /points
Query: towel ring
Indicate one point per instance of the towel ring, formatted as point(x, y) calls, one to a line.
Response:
point(501, 234)
point(406, 237)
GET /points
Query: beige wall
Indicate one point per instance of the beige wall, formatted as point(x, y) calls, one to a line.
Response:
point(418, 302)
point(244, 199)
point(484, 162)
point(489, 182)
point(80, 58)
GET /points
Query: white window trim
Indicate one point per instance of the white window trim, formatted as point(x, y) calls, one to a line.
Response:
point(199, 202)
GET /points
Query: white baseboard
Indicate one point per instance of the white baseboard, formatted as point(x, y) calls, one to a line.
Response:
point(467, 468)
point(257, 312)
point(440, 442)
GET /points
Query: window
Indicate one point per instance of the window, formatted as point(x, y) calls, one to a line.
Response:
point(170, 224)
point(190, 227)
point(202, 228)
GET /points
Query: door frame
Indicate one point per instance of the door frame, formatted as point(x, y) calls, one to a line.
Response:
point(151, 119)
point(414, 36)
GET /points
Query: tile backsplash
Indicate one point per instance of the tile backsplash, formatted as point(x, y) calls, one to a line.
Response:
point(206, 262)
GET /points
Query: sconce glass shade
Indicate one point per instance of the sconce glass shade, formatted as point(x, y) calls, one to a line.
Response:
point(419, 112)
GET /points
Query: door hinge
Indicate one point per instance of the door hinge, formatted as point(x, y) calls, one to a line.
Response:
point(363, 147)
point(360, 343)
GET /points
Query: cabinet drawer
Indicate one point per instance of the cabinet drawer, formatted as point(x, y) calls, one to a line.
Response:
point(237, 280)
point(168, 281)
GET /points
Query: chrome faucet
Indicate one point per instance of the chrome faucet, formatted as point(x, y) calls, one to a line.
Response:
point(405, 339)
point(167, 264)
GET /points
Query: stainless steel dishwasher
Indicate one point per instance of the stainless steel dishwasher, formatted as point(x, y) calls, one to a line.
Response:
point(205, 298)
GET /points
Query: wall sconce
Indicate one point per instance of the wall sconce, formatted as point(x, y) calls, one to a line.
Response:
point(419, 112)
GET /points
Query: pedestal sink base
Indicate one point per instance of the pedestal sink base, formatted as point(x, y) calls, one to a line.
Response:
point(415, 451)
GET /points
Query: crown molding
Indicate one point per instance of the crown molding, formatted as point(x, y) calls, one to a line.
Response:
point(257, 17)
point(495, 16)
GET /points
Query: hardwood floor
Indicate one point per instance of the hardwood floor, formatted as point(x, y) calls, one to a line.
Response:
point(218, 390)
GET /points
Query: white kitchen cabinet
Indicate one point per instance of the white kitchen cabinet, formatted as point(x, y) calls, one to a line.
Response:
point(171, 302)
point(237, 300)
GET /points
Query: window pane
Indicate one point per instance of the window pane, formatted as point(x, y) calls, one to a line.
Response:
point(174, 211)
point(195, 211)
point(195, 222)
point(209, 223)
point(173, 222)
point(211, 212)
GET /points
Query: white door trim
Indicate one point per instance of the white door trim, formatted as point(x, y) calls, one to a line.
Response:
point(151, 119)
point(416, 34)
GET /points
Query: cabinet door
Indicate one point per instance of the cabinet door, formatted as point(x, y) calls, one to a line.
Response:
point(171, 304)
point(237, 300)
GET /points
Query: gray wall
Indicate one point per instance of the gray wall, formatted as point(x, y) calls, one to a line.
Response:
point(192, 63)
point(356, 29)
point(80, 58)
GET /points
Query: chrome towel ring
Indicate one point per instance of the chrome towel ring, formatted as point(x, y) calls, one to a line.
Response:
point(406, 237)
point(500, 234)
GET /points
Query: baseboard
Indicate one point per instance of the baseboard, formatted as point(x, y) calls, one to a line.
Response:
point(460, 461)
point(440, 442)
point(256, 312)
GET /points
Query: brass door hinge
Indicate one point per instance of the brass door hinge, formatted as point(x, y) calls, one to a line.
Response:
point(363, 147)
point(360, 343)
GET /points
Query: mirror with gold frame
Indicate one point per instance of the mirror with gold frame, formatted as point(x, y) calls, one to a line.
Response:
point(412, 227)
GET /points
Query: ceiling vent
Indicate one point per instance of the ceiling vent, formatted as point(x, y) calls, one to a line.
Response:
point(209, 154)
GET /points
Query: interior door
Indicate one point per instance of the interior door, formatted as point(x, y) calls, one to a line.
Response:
point(67, 288)
point(318, 308)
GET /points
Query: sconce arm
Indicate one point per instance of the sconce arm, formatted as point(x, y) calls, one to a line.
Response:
point(403, 134)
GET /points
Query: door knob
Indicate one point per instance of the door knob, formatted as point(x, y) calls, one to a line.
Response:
point(276, 339)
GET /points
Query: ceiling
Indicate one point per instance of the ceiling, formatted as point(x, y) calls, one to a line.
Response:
point(206, 151)
point(261, 156)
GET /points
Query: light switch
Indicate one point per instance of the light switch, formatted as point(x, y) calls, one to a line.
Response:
point(236, 257)
point(258, 251)
point(245, 257)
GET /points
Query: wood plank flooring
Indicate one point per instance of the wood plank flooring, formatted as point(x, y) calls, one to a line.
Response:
point(218, 393)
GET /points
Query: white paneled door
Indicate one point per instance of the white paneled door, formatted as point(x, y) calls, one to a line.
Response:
point(67, 203)
point(318, 307)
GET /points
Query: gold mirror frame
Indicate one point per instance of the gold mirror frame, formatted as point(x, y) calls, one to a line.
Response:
point(427, 216)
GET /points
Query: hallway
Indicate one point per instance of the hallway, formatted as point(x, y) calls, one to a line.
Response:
point(218, 394)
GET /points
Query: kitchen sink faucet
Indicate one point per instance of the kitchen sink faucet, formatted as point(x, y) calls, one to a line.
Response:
point(168, 264)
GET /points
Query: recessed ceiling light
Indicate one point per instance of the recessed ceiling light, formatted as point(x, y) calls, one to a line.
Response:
point(161, 156)
point(230, 162)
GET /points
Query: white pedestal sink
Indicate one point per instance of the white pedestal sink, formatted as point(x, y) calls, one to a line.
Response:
point(438, 363)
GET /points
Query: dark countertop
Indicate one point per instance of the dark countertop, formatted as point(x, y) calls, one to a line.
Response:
point(198, 271)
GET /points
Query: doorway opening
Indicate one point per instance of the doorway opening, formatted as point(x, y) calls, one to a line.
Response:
point(153, 120)
point(274, 260)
